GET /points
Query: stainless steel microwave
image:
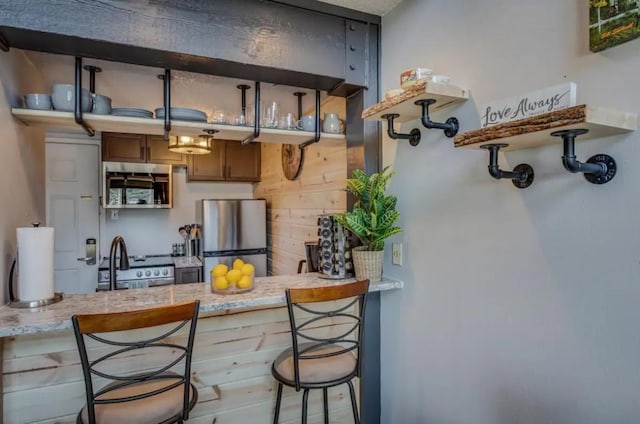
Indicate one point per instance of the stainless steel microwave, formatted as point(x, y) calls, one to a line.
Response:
point(136, 185)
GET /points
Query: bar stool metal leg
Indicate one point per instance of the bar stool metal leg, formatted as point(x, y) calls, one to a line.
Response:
point(305, 397)
point(354, 406)
point(276, 414)
point(326, 405)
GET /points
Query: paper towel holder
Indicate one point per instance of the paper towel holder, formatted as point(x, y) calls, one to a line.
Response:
point(17, 303)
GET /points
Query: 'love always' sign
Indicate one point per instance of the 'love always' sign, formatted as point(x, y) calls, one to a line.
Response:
point(534, 103)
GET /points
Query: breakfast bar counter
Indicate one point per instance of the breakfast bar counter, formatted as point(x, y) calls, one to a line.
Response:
point(268, 292)
point(238, 336)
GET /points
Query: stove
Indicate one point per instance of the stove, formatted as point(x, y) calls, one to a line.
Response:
point(143, 272)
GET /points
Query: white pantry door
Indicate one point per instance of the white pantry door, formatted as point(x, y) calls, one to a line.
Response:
point(72, 197)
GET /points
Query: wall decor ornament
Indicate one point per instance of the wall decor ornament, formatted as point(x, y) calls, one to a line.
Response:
point(612, 22)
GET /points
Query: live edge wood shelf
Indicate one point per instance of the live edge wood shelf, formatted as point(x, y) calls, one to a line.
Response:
point(123, 124)
point(536, 130)
point(403, 104)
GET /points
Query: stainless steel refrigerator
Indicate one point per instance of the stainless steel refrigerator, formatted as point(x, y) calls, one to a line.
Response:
point(233, 229)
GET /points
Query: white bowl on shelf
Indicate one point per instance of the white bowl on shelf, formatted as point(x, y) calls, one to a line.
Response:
point(63, 98)
point(39, 101)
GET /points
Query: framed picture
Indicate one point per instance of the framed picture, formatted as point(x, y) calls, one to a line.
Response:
point(612, 22)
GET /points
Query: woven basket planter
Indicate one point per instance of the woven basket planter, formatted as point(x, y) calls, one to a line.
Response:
point(367, 263)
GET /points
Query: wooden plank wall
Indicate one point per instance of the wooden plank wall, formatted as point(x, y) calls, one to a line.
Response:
point(231, 367)
point(293, 206)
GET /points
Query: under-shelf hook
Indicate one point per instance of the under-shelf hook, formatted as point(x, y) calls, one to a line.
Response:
point(299, 95)
point(599, 169)
point(522, 175)
point(243, 101)
point(92, 76)
point(450, 127)
point(77, 111)
point(413, 136)
point(256, 117)
point(166, 78)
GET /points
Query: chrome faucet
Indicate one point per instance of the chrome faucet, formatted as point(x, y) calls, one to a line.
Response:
point(124, 260)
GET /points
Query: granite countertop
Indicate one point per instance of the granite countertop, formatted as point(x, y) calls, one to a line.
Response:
point(269, 291)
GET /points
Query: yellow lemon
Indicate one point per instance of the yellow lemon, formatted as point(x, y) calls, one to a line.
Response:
point(238, 263)
point(234, 275)
point(219, 270)
point(245, 282)
point(221, 283)
point(248, 269)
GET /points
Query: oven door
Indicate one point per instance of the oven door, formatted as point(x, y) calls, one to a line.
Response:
point(137, 284)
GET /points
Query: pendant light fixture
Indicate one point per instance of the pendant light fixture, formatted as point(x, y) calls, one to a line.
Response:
point(185, 144)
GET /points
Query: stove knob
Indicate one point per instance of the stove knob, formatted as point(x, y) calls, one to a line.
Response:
point(139, 274)
point(156, 272)
point(148, 273)
point(165, 272)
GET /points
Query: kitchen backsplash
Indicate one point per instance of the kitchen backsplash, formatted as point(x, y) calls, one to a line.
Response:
point(153, 231)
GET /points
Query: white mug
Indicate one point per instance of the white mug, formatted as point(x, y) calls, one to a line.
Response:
point(332, 124)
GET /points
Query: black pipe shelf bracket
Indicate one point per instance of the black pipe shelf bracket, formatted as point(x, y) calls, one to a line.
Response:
point(92, 76)
point(450, 127)
point(522, 175)
point(256, 116)
point(166, 79)
point(599, 169)
point(413, 136)
point(317, 135)
point(4, 44)
point(77, 111)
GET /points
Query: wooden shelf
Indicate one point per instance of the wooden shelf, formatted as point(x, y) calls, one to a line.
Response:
point(536, 130)
point(403, 104)
point(123, 124)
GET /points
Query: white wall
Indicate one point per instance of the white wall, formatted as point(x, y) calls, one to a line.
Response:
point(153, 232)
point(21, 159)
point(520, 306)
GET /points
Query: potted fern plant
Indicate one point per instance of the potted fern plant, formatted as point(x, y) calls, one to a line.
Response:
point(371, 220)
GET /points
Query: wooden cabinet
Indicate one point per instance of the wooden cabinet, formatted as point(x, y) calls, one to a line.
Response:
point(158, 152)
point(124, 147)
point(188, 275)
point(228, 161)
point(118, 147)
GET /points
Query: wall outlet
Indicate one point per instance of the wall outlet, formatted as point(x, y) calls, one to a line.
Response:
point(114, 214)
point(396, 254)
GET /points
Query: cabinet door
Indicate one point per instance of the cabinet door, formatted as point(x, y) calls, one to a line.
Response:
point(242, 161)
point(158, 152)
point(118, 147)
point(209, 167)
point(188, 275)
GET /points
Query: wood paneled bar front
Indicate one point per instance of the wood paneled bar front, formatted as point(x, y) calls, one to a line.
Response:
point(238, 337)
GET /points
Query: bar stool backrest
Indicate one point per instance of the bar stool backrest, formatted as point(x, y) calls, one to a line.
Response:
point(308, 308)
point(118, 344)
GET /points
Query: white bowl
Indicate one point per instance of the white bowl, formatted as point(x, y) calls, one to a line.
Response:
point(101, 104)
point(63, 98)
point(38, 101)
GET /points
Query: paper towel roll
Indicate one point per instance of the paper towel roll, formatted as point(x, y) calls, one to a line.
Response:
point(35, 263)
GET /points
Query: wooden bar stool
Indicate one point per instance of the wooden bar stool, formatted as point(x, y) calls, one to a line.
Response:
point(159, 395)
point(315, 361)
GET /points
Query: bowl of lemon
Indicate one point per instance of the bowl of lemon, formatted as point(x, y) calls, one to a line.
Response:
point(237, 279)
